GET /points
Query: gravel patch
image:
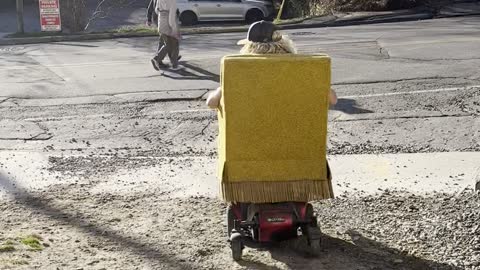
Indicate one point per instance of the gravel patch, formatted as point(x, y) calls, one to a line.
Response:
point(152, 230)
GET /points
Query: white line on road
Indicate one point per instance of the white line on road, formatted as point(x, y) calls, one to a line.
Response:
point(413, 92)
point(14, 68)
point(187, 111)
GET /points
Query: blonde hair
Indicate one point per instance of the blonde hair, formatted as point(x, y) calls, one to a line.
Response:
point(280, 44)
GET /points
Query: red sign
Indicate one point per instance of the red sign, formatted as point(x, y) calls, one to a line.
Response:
point(50, 15)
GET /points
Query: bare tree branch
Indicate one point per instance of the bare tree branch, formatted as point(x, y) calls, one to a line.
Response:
point(104, 8)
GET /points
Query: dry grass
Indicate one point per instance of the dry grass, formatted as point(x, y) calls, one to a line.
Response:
point(322, 7)
point(305, 8)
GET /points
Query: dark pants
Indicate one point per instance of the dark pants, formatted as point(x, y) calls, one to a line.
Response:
point(168, 45)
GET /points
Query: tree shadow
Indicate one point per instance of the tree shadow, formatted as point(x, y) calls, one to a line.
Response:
point(42, 206)
point(349, 106)
point(76, 45)
point(339, 254)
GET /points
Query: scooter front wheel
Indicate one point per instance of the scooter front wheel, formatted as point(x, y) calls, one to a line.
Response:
point(237, 248)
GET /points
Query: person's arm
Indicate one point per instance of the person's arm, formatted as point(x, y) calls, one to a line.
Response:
point(213, 100)
point(172, 17)
point(333, 97)
point(150, 10)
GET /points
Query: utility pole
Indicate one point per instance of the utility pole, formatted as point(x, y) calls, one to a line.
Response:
point(20, 26)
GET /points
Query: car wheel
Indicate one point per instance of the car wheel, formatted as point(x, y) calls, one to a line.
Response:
point(188, 18)
point(254, 15)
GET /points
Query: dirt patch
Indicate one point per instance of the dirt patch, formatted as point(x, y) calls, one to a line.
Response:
point(152, 230)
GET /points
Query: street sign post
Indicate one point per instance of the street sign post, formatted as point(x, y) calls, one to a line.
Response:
point(50, 16)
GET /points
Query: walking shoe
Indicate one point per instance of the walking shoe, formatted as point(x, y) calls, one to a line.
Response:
point(161, 65)
point(155, 64)
point(175, 68)
point(158, 65)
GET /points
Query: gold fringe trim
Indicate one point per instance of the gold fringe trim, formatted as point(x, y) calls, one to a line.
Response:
point(272, 192)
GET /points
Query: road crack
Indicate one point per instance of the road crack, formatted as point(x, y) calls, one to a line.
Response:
point(404, 117)
point(202, 132)
point(397, 80)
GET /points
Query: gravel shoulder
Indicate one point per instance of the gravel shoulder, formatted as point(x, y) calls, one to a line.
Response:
point(152, 230)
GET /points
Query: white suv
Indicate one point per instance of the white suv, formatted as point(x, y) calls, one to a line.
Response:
point(193, 11)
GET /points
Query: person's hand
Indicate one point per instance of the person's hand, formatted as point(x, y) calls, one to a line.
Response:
point(176, 34)
point(332, 97)
point(148, 23)
point(213, 99)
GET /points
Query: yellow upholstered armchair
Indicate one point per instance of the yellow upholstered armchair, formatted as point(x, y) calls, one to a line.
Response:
point(273, 128)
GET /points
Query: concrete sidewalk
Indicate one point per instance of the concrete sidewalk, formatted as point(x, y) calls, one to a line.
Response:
point(418, 173)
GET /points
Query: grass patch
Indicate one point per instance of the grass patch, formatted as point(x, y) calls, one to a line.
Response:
point(137, 29)
point(13, 262)
point(9, 242)
point(289, 21)
point(32, 241)
point(7, 248)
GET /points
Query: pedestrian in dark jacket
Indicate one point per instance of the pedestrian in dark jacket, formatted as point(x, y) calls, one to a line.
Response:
point(168, 29)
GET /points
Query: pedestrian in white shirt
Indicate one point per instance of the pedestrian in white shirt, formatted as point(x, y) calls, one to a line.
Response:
point(169, 32)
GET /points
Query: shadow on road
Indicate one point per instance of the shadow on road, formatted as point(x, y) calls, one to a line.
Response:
point(191, 72)
point(76, 45)
point(349, 106)
point(339, 254)
point(89, 227)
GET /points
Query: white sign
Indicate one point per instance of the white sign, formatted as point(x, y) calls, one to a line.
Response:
point(50, 15)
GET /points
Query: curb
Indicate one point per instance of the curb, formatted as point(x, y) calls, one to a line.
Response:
point(97, 36)
point(301, 24)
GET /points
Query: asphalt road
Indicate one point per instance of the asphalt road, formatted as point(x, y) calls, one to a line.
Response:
point(424, 55)
point(84, 124)
point(413, 86)
point(410, 87)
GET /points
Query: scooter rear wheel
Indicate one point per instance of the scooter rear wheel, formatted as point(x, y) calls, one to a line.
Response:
point(315, 247)
point(313, 235)
point(310, 215)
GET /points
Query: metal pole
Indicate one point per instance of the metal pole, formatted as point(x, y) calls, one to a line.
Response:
point(477, 181)
point(20, 27)
point(279, 15)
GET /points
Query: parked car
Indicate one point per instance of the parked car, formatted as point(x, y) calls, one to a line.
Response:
point(193, 11)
